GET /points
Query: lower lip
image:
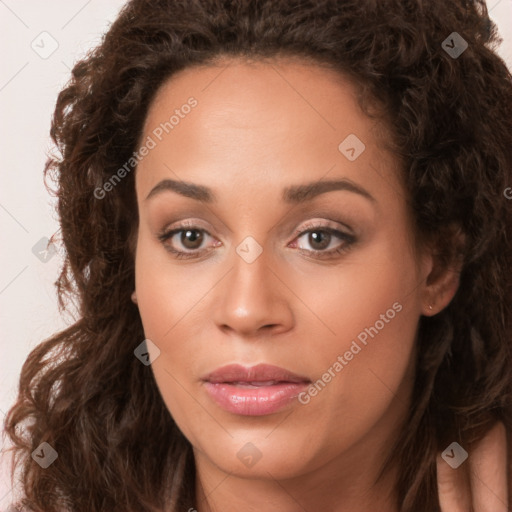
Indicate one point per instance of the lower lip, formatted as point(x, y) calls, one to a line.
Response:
point(255, 401)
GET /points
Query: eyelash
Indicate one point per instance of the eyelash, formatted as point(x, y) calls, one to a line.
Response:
point(165, 235)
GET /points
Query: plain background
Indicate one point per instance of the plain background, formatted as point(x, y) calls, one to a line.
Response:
point(40, 42)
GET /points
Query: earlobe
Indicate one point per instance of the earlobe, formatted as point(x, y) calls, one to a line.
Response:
point(134, 298)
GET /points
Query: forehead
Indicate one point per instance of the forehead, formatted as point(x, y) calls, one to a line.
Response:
point(260, 120)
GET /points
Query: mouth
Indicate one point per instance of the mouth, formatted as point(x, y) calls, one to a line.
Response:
point(256, 391)
point(261, 374)
point(255, 384)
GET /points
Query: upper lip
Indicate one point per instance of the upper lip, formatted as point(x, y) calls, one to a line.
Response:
point(258, 373)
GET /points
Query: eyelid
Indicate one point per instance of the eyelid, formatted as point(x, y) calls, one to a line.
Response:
point(334, 225)
point(182, 225)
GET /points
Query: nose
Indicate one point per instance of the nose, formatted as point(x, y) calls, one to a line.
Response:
point(253, 300)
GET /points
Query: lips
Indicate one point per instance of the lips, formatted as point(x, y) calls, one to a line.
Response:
point(260, 390)
point(259, 375)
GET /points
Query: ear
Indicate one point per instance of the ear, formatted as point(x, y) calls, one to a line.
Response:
point(445, 265)
point(134, 297)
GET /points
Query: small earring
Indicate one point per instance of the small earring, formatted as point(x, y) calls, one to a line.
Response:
point(430, 307)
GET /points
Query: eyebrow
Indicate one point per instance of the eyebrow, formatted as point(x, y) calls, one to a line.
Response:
point(198, 192)
point(293, 194)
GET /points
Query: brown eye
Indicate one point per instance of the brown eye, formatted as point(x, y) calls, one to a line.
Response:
point(322, 241)
point(191, 238)
point(184, 241)
point(319, 240)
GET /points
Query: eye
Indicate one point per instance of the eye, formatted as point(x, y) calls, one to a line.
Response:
point(321, 237)
point(186, 241)
point(188, 236)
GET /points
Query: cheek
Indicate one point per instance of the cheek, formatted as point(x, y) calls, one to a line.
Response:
point(167, 293)
point(173, 305)
point(363, 346)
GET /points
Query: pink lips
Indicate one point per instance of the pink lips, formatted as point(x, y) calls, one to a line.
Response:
point(261, 389)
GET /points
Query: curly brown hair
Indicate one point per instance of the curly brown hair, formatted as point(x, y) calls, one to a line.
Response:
point(450, 119)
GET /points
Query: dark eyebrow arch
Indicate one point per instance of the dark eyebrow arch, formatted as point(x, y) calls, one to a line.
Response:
point(306, 192)
point(292, 194)
point(198, 192)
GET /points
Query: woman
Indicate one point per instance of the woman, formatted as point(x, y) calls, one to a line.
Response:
point(287, 229)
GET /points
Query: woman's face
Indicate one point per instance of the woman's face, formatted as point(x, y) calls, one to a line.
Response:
point(322, 282)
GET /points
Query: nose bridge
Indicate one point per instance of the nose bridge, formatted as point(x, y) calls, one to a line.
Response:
point(252, 297)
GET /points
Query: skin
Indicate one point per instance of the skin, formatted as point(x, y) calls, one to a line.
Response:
point(482, 482)
point(258, 128)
